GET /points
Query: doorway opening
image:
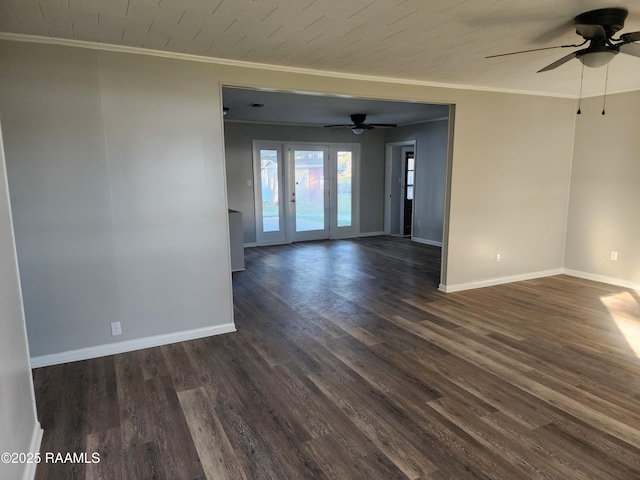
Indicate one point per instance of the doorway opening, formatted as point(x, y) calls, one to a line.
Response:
point(288, 119)
point(400, 177)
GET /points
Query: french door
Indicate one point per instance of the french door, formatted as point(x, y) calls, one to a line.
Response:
point(309, 192)
point(304, 191)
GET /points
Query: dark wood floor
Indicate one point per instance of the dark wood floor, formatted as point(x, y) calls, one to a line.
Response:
point(348, 364)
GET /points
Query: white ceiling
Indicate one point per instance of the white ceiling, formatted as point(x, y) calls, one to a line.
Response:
point(317, 110)
point(434, 41)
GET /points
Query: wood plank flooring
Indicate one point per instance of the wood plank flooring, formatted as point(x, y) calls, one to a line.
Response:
point(349, 364)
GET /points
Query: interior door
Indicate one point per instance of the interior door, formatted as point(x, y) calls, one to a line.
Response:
point(308, 192)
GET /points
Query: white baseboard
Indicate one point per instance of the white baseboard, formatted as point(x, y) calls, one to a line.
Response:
point(365, 234)
point(602, 278)
point(426, 242)
point(498, 281)
point(34, 447)
point(129, 345)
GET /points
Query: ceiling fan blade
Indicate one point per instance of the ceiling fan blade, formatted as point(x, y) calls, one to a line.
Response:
point(591, 31)
point(630, 37)
point(557, 63)
point(631, 49)
point(359, 123)
point(554, 33)
point(537, 50)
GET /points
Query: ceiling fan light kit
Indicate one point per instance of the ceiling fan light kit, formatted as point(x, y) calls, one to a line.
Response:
point(597, 59)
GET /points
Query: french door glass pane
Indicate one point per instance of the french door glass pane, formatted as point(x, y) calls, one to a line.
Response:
point(270, 190)
point(309, 178)
point(345, 183)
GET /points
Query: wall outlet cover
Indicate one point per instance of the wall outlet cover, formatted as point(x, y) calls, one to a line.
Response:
point(116, 328)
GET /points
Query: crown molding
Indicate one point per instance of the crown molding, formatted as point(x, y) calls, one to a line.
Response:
point(18, 37)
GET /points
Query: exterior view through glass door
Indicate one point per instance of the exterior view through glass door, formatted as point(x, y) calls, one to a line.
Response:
point(309, 192)
point(305, 191)
point(267, 180)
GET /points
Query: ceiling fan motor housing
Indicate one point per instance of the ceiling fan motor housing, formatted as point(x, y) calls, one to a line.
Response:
point(358, 118)
point(611, 19)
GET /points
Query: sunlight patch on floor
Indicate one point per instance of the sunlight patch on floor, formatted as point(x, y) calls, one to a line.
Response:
point(624, 309)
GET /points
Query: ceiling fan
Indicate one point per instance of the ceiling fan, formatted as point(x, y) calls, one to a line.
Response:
point(597, 27)
point(359, 125)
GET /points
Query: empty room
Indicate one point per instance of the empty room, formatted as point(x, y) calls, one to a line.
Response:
point(327, 240)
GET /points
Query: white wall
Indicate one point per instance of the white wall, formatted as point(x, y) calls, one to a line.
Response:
point(19, 427)
point(116, 169)
point(431, 166)
point(239, 166)
point(605, 191)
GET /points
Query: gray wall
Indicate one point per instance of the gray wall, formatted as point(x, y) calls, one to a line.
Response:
point(239, 166)
point(116, 171)
point(605, 190)
point(509, 176)
point(431, 166)
point(18, 423)
point(396, 193)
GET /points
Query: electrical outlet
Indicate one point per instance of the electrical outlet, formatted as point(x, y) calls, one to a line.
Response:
point(498, 257)
point(116, 328)
point(614, 255)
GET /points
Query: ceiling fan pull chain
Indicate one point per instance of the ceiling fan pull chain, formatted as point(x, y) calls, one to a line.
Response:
point(580, 98)
point(606, 82)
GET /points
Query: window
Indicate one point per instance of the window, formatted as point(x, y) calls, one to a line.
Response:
point(410, 175)
point(270, 186)
point(345, 188)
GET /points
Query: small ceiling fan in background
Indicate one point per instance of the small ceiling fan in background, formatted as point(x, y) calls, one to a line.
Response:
point(359, 125)
point(596, 27)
